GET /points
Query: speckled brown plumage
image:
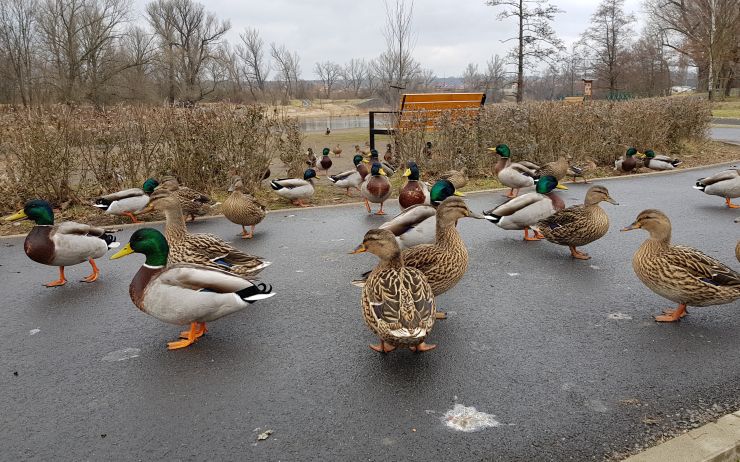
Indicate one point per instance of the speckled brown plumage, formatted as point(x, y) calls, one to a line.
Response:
point(558, 169)
point(193, 203)
point(681, 274)
point(457, 177)
point(242, 209)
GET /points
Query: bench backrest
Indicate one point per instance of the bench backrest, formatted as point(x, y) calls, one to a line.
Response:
point(426, 108)
point(573, 99)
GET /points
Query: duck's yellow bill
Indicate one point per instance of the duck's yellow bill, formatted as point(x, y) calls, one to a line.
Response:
point(16, 216)
point(382, 172)
point(365, 160)
point(631, 227)
point(560, 186)
point(359, 249)
point(458, 193)
point(407, 172)
point(126, 250)
point(491, 149)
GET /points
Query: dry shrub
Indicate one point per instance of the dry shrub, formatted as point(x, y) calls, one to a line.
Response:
point(542, 131)
point(70, 154)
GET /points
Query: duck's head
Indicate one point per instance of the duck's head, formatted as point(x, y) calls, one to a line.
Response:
point(149, 185)
point(653, 221)
point(649, 153)
point(597, 194)
point(441, 190)
point(147, 241)
point(502, 150)
point(37, 210)
point(412, 171)
point(631, 152)
point(309, 173)
point(325, 152)
point(358, 159)
point(377, 170)
point(374, 154)
point(380, 242)
point(236, 184)
point(163, 199)
point(452, 209)
point(429, 144)
point(169, 182)
point(546, 184)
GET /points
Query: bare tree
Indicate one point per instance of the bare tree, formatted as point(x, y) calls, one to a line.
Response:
point(354, 74)
point(536, 39)
point(608, 39)
point(138, 49)
point(288, 66)
point(396, 65)
point(251, 52)
point(472, 78)
point(17, 38)
point(494, 77)
point(328, 72)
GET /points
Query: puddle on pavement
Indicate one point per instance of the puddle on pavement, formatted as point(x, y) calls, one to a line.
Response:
point(122, 355)
point(468, 419)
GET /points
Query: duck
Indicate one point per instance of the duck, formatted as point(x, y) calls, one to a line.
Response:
point(310, 158)
point(388, 156)
point(557, 169)
point(737, 247)
point(325, 162)
point(197, 248)
point(418, 223)
point(397, 301)
point(628, 163)
point(376, 188)
point(427, 150)
point(579, 225)
point(445, 261)
point(459, 178)
point(525, 211)
point(659, 162)
point(296, 189)
point(337, 150)
point(514, 176)
point(724, 184)
point(579, 171)
point(185, 293)
point(64, 244)
point(388, 168)
point(243, 209)
point(351, 178)
point(681, 274)
point(127, 202)
point(414, 191)
point(192, 202)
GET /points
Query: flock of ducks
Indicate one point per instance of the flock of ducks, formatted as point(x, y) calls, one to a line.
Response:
point(192, 279)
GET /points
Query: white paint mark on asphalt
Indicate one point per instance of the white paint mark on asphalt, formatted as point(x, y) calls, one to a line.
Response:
point(596, 405)
point(619, 316)
point(513, 274)
point(34, 331)
point(595, 267)
point(122, 355)
point(468, 419)
point(336, 240)
point(299, 271)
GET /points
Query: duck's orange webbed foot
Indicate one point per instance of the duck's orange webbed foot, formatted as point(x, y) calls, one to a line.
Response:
point(133, 218)
point(245, 234)
point(422, 347)
point(673, 315)
point(367, 206)
point(96, 272)
point(59, 282)
point(190, 338)
point(730, 204)
point(579, 255)
point(200, 330)
point(533, 238)
point(382, 347)
point(511, 194)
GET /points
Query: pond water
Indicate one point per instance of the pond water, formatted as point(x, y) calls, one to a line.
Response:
point(319, 124)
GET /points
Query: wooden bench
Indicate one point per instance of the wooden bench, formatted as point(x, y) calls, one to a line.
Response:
point(573, 100)
point(425, 110)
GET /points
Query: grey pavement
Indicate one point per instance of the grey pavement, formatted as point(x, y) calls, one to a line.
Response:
point(563, 354)
point(729, 134)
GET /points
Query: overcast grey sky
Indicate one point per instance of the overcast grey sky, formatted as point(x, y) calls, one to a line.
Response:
point(449, 33)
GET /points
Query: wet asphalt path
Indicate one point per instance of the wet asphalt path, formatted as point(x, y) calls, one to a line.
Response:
point(529, 340)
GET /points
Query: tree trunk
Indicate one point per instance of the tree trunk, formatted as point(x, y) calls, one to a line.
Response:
point(520, 61)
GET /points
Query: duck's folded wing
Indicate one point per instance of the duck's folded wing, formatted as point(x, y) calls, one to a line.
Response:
point(701, 266)
point(516, 204)
point(343, 175)
point(724, 175)
point(531, 166)
point(125, 194)
point(196, 277)
point(290, 183)
point(563, 217)
point(216, 250)
point(409, 218)
point(195, 196)
point(80, 229)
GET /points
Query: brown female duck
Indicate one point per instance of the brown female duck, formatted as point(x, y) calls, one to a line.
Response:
point(243, 209)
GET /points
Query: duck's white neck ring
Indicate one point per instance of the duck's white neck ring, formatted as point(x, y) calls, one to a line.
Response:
point(152, 266)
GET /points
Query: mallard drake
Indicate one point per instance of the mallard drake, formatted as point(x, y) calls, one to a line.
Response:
point(397, 301)
point(417, 224)
point(337, 150)
point(376, 188)
point(201, 249)
point(459, 178)
point(350, 178)
point(445, 261)
point(579, 225)
point(512, 175)
point(310, 158)
point(557, 169)
point(295, 189)
point(414, 191)
point(183, 293)
point(127, 202)
point(525, 211)
point(628, 163)
point(659, 162)
point(325, 162)
point(681, 274)
point(579, 171)
point(192, 202)
point(243, 209)
point(387, 168)
point(724, 184)
point(65, 244)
